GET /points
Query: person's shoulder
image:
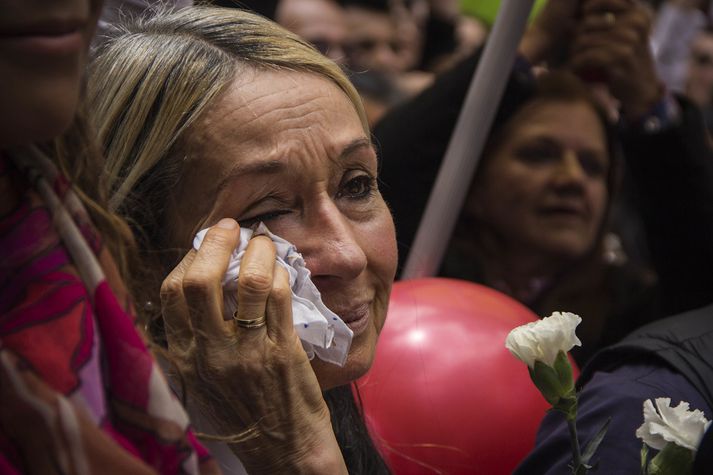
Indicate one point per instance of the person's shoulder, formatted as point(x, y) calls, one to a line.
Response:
point(687, 336)
point(635, 380)
point(617, 394)
point(620, 395)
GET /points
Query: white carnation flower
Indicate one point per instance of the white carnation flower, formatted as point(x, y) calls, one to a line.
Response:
point(544, 339)
point(665, 424)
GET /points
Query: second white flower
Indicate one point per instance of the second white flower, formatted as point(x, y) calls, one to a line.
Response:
point(678, 425)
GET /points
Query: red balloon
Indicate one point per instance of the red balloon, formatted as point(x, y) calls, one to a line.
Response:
point(444, 395)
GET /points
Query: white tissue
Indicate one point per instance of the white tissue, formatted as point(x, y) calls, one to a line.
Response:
point(323, 333)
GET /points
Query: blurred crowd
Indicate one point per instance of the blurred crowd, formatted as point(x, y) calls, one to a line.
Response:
point(394, 48)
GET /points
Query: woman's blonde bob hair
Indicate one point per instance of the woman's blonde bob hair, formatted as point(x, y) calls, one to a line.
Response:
point(149, 83)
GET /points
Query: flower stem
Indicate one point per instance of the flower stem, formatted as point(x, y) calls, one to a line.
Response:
point(578, 468)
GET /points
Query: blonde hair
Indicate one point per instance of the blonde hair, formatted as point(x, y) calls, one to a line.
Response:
point(150, 83)
point(77, 155)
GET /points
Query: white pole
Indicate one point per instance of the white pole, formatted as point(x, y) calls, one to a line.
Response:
point(467, 141)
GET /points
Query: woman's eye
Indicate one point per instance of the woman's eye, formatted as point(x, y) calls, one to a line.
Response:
point(359, 187)
point(537, 153)
point(592, 164)
point(264, 217)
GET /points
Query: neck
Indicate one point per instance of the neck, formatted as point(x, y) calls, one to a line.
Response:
point(518, 273)
point(523, 277)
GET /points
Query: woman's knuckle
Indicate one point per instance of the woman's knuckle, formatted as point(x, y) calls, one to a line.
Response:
point(171, 288)
point(195, 284)
point(217, 237)
point(255, 282)
point(281, 292)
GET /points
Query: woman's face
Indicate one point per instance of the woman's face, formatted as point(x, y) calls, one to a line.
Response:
point(43, 48)
point(699, 84)
point(373, 41)
point(288, 149)
point(544, 190)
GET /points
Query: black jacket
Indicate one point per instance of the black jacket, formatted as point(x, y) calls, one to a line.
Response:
point(684, 343)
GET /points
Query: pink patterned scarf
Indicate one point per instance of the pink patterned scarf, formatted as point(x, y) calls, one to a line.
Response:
point(64, 316)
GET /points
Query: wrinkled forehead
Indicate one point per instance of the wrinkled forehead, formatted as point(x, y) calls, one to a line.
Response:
point(270, 115)
point(261, 103)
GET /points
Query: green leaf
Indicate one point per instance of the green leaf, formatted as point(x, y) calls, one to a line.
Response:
point(593, 444)
point(644, 458)
point(582, 469)
point(672, 460)
point(563, 368)
point(546, 380)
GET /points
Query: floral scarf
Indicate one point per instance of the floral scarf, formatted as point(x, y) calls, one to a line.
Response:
point(64, 317)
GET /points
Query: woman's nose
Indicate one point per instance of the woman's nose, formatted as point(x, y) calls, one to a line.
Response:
point(331, 247)
point(569, 169)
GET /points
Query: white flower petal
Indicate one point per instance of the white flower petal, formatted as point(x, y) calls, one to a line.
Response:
point(652, 439)
point(678, 425)
point(544, 339)
point(521, 345)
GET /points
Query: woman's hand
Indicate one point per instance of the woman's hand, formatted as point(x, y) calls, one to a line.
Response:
point(612, 43)
point(252, 382)
point(547, 37)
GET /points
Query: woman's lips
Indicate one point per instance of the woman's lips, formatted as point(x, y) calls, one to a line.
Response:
point(357, 319)
point(45, 39)
point(564, 210)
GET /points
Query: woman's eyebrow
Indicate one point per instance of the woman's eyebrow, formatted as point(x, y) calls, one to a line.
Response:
point(542, 139)
point(272, 167)
point(355, 145)
point(267, 167)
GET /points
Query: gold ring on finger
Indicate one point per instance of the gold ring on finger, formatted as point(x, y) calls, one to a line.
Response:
point(249, 323)
point(609, 18)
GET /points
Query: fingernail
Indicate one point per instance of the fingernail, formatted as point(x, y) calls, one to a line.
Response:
point(227, 223)
point(254, 229)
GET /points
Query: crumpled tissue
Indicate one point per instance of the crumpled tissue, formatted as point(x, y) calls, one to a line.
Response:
point(322, 332)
